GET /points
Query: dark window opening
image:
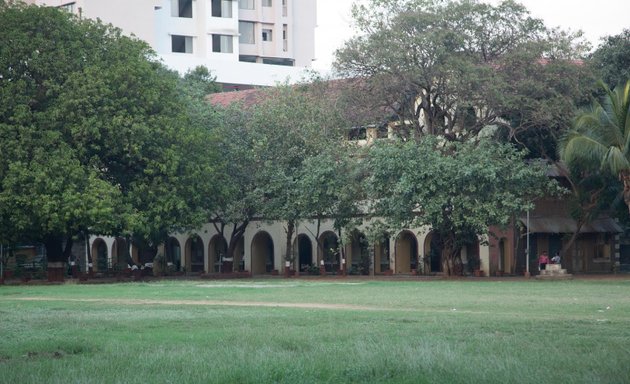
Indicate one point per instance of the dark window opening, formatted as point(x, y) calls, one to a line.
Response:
point(382, 132)
point(183, 8)
point(357, 134)
point(181, 44)
point(222, 43)
point(247, 58)
point(266, 35)
point(278, 61)
point(221, 8)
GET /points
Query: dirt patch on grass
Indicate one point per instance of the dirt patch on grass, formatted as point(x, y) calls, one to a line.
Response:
point(212, 303)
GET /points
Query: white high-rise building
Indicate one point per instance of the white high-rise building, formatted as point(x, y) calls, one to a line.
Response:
point(243, 42)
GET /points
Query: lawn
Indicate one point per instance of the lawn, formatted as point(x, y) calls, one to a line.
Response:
point(317, 331)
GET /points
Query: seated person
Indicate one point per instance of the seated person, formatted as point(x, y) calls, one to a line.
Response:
point(543, 260)
point(556, 259)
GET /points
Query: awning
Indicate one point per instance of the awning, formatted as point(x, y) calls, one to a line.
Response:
point(568, 225)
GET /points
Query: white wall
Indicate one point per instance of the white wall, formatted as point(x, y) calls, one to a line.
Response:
point(151, 21)
point(302, 32)
point(229, 71)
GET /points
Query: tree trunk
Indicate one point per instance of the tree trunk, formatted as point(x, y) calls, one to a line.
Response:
point(447, 261)
point(235, 237)
point(289, 254)
point(67, 251)
point(229, 253)
point(320, 245)
point(447, 256)
point(625, 177)
point(342, 253)
point(570, 243)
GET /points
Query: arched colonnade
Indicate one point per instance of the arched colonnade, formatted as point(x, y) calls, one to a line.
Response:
point(261, 252)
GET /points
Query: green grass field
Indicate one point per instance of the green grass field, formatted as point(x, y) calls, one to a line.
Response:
point(317, 331)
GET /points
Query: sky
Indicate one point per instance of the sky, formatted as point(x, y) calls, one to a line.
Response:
point(595, 19)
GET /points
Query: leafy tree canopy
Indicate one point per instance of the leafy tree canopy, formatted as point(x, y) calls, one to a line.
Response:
point(265, 144)
point(94, 132)
point(456, 68)
point(456, 189)
point(600, 137)
point(612, 59)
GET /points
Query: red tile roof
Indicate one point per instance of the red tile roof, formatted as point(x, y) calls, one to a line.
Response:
point(248, 97)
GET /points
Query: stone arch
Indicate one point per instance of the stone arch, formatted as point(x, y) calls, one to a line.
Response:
point(119, 253)
point(262, 254)
point(471, 251)
point(502, 259)
point(217, 248)
point(382, 254)
point(406, 252)
point(173, 253)
point(143, 253)
point(100, 260)
point(194, 254)
point(358, 254)
point(328, 250)
point(239, 255)
point(304, 251)
point(433, 252)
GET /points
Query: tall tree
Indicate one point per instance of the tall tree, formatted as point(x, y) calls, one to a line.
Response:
point(611, 59)
point(456, 189)
point(195, 86)
point(238, 197)
point(455, 68)
point(79, 100)
point(330, 187)
point(592, 193)
point(263, 142)
point(601, 136)
point(290, 125)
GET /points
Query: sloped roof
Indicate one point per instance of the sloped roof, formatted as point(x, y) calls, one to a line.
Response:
point(563, 224)
point(224, 99)
point(350, 92)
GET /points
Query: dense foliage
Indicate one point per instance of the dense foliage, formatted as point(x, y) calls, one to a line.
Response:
point(456, 189)
point(98, 137)
point(266, 145)
point(456, 68)
point(94, 133)
point(611, 60)
point(601, 137)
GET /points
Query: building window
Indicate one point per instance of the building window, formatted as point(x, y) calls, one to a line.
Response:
point(278, 61)
point(602, 247)
point(246, 4)
point(222, 43)
point(247, 58)
point(267, 35)
point(222, 8)
point(382, 132)
point(266, 3)
point(181, 8)
point(359, 133)
point(285, 38)
point(68, 7)
point(181, 44)
point(246, 30)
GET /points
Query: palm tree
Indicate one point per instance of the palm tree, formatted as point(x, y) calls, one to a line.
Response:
point(602, 136)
